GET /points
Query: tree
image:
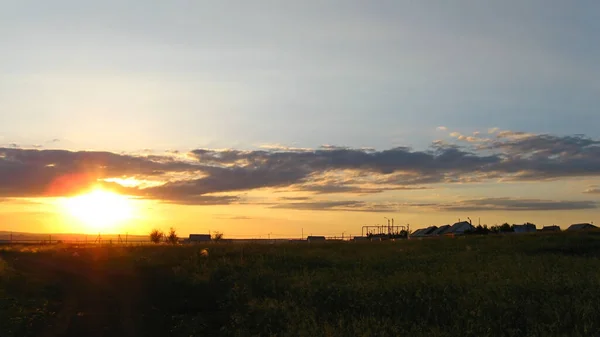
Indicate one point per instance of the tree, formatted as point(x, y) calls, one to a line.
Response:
point(156, 235)
point(402, 235)
point(479, 230)
point(217, 236)
point(505, 228)
point(172, 238)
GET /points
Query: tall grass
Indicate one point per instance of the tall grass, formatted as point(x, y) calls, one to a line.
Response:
point(509, 285)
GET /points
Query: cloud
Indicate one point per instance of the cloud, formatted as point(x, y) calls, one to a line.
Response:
point(538, 157)
point(470, 139)
point(188, 178)
point(441, 128)
point(294, 198)
point(203, 200)
point(473, 205)
point(237, 217)
point(594, 189)
point(513, 134)
point(352, 189)
point(515, 204)
point(279, 147)
point(34, 173)
point(346, 206)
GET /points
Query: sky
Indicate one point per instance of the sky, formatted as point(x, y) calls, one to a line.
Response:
point(289, 117)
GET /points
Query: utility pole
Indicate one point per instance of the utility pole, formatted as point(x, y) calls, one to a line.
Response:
point(388, 227)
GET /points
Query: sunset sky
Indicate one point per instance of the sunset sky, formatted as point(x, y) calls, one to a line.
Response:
point(258, 117)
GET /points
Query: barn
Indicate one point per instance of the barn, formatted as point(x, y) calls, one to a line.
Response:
point(312, 238)
point(424, 231)
point(525, 228)
point(460, 228)
point(441, 230)
point(581, 227)
point(198, 238)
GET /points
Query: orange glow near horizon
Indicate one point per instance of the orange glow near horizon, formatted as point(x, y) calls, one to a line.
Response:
point(99, 210)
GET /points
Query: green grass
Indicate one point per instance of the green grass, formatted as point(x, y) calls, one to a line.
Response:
point(513, 285)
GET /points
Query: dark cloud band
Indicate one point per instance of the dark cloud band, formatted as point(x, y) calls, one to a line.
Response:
point(482, 205)
point(192, 177)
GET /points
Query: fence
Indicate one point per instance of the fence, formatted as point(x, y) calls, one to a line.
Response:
point(126, 239)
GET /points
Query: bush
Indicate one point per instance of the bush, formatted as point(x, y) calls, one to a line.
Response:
point(218, 236)
point(156, 235)
point(172, 238)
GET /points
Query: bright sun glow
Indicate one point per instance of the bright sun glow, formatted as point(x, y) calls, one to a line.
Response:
point(100, 210)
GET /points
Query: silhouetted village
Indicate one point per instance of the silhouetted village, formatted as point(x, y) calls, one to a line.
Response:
point(368, 233)
point(393, 232)
point(466, 228)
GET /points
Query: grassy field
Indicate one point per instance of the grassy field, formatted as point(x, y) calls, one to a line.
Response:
point(513, 285)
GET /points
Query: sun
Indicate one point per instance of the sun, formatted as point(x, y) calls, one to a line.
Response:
point(100, 210)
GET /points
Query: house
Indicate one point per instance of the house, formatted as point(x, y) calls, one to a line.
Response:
point(440, 230)
point(430, 230)
point(315, 239)
point(525, 228)
point(418, 232)
point(552, 228)
point(581, 227)
point(198, 238)
point(424, 231)
point(460, 228)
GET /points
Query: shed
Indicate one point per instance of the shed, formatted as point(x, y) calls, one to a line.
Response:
point(553, 228)
point(199, 238)
point(525, 228)
point(424, 231)
point(581, 227)
point(430, 230)
point(441, 230)
point(315, 239)
point(460, 228)
point(419, 232)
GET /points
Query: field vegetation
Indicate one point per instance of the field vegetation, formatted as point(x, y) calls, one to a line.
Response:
point(501, 285)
